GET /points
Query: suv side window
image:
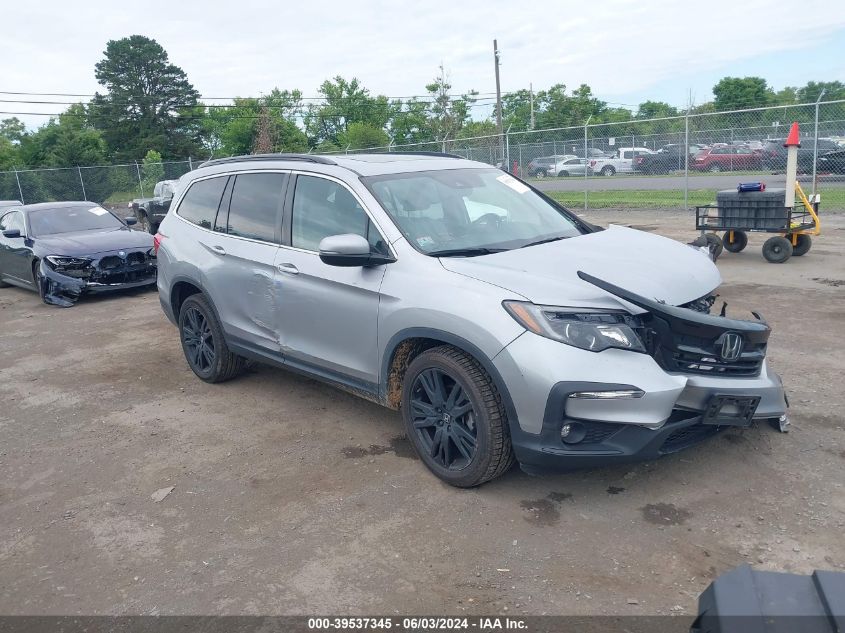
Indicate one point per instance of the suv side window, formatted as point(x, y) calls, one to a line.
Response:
point(255, 208)
point(321, 208)
point(199, 206)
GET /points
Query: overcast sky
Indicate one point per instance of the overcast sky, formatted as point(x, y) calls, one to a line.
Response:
point(627, 51)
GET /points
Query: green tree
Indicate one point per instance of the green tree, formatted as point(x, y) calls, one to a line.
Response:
point(363, 136)
point(148, 103)
point(410, 123)
point(234, 130)
point(8, 154)
point(12, 129)
point(737, 93)
point(151, 171)
point(833, 91)
point(344, 102)
point(447, 115)
point(67, 141)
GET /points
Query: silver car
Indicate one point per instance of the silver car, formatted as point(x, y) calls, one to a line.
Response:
point(502, 326)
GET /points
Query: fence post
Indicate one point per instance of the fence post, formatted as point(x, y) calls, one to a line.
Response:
point(816, 141)
point(190, 164)
point(586, 159)
point(140, 183)
point(20, 189)
point(686, 161)
point(81, 182)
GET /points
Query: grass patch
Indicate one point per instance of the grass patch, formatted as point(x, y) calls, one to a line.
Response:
point(121, 197)
point(832, 199)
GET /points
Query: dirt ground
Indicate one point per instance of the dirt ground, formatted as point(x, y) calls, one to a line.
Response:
point(293, 498)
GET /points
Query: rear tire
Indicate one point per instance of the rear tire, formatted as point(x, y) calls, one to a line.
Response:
point(714, 168)
point(777, 250)
point(739, 243)
point(455, 419)
point(203, 343)
point(802, 245)
point(563, 173)
point(609, 170)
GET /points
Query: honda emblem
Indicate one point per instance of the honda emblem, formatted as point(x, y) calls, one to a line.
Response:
point(731, 346)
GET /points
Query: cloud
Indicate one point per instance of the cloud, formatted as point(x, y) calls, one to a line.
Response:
point(249, 47)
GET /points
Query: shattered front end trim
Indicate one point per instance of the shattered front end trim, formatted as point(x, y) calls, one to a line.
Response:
point(121, 270)
point(691, 341)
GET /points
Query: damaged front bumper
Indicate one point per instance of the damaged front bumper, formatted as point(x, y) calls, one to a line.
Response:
point(575, 408)
point(64, 290)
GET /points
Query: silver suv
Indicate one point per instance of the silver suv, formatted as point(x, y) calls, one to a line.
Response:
point(502, 326)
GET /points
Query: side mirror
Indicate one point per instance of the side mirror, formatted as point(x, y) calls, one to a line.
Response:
point(350, 250)
point(10, 233)
point(130, 220)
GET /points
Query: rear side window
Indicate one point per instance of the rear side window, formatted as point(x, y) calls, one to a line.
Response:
point(254, 211)
point(199, 206)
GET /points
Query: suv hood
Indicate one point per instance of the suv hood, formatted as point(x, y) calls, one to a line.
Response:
point(649, 265)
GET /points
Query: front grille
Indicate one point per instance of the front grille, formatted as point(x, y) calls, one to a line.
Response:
point(121, 269)
point(689, 349)
point(688, 436)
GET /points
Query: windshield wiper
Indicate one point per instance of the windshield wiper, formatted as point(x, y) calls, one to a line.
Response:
point(545, 241)
point(465, 252)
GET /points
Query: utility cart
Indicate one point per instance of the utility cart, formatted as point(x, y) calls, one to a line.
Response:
point(738, 213)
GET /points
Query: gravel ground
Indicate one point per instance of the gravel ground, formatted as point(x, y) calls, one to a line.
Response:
point(293, 498)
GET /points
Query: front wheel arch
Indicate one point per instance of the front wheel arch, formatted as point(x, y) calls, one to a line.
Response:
point(420, 339)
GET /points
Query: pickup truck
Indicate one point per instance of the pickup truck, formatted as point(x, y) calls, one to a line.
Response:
point(621, 162)
point(667, 159)
point(151, 211)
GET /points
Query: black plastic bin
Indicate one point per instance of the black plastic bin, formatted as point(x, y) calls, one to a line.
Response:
point(749, 210)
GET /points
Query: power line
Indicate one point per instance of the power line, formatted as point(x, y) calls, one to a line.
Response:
point(322, 98)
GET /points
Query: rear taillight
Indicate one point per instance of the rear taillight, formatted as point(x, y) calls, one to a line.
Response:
point(592, 163)
point(158, 238)
point(639, 160)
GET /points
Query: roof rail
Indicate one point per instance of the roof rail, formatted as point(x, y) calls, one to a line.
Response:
point(308, 158)
point(438, 154)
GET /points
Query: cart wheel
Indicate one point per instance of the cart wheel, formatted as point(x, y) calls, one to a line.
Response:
point(777, 250)
point(802, 245)
point(739, 243)
point(714, 243)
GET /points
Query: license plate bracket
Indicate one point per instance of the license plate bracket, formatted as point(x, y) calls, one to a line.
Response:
point(729, 410)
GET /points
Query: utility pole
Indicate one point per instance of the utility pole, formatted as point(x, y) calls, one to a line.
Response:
point(531, 92)
point(499, 104)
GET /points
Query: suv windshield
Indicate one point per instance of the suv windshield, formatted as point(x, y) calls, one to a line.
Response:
point(69, 219)
point(468, 211)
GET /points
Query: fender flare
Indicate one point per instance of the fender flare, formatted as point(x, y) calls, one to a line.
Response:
point(456, 341)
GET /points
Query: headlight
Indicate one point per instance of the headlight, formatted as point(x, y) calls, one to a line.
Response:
point(593, 330)
point(59, 262)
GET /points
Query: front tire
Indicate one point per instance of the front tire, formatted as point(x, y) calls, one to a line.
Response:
point(715, 168)
point(203, 343)
point(607, 171)
point(455, 418)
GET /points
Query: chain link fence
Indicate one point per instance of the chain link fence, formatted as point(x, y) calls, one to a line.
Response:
point(669, 162)
point(113, 185)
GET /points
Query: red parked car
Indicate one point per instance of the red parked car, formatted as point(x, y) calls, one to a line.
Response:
point(726, 158)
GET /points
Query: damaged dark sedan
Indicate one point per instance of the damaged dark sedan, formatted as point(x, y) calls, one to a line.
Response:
point(64, 250)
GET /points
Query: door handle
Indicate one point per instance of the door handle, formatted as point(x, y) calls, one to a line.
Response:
point(218, 249)
point(288, 268)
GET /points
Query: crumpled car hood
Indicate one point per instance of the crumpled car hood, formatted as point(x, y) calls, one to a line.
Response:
point(82, 243)
point(648, 265)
